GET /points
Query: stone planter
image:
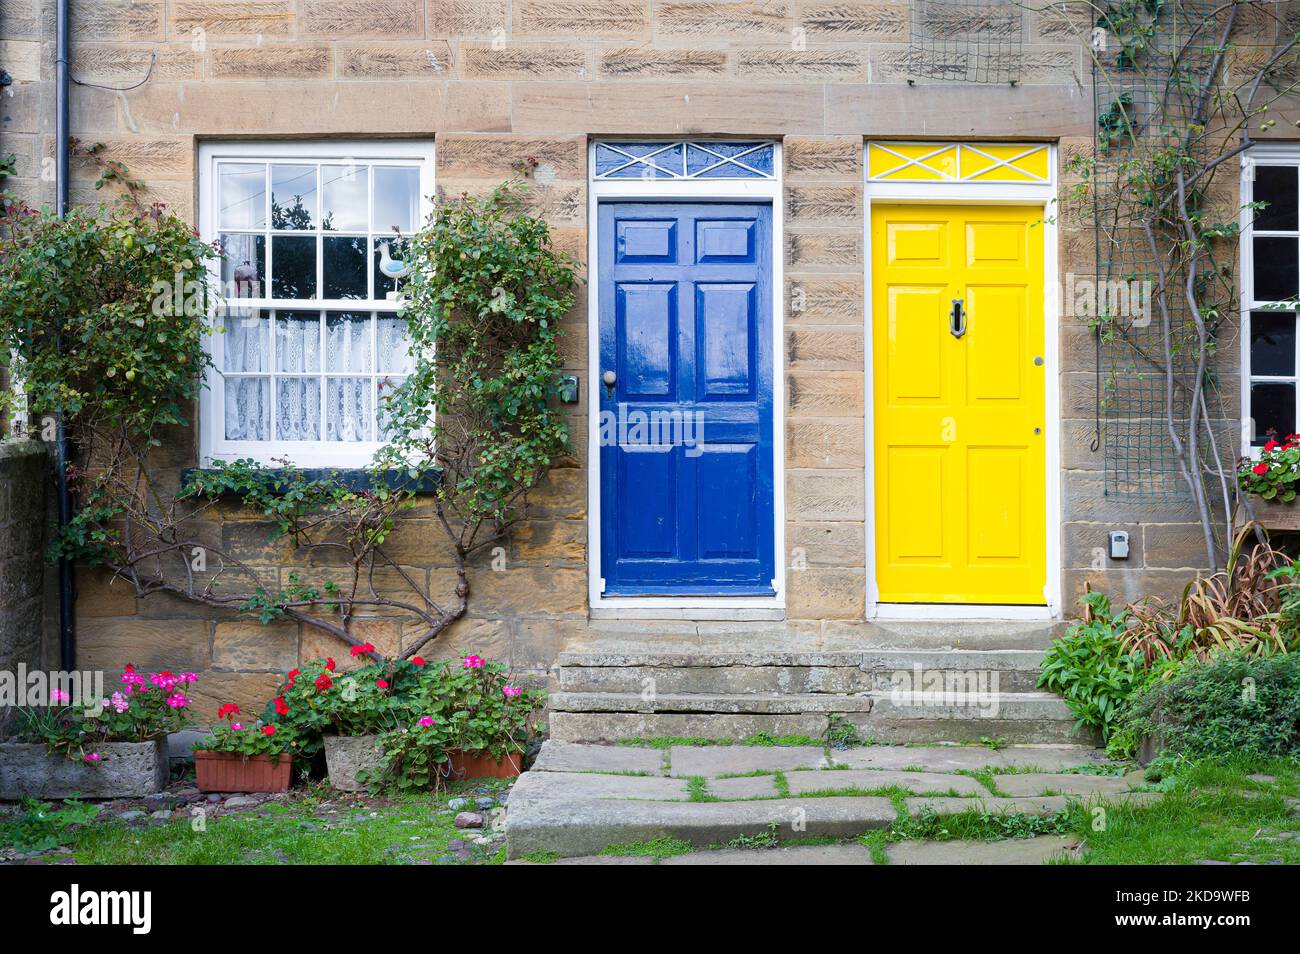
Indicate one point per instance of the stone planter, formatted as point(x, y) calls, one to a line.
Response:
point(232, 772)
point(125, 770)
point(346, 755)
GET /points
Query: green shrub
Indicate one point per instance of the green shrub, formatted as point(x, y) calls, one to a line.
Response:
point(1095, 671)
point(1232, 704)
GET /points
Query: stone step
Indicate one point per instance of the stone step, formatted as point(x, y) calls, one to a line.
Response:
point(844, 673)
point(597, 726)
point(886, 705)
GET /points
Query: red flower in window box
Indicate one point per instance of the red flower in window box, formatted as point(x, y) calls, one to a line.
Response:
point(361, 648)
point(1259, 469)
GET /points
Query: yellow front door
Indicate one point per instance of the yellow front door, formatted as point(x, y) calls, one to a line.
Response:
point(960, 445)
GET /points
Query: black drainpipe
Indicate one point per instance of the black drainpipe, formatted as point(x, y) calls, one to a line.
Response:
point(67, 594)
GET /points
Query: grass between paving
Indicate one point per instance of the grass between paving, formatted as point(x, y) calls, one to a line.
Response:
point(1207, 812)
point(317, 828)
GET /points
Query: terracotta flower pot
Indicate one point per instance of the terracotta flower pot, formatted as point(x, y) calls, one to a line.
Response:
point(483, 765)
point(232, 772)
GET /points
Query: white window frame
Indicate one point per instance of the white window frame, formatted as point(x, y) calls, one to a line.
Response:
point(686, 190)
point(212, 443)
point(1272, 154)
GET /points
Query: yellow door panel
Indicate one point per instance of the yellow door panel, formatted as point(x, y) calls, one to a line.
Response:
point(960, 457)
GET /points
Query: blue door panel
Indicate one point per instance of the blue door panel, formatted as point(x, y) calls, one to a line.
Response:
point(686, 455)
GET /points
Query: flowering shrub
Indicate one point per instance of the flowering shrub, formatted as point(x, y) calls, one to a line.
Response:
point(257, 738)
point(142, 709)
point(468, 705)
point(1274, 475)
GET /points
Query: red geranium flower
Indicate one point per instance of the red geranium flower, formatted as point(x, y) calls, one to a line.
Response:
point(363, 648)
point(229, 709)
point(323, 682)
point(381, 683)
point(281, 707)
point(293, 674)
point(1259, 470)
point(268, 730)
point(417, 661)
point(329, 663)
point(1271, 445)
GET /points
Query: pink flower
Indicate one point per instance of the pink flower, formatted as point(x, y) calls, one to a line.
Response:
point(177, 701)
point(237, 726)
point(189, 677)
point(92, 757)
point(510, 691)
point(473, 662)
point(426, 721)
point(58, 695)
point(119, 702)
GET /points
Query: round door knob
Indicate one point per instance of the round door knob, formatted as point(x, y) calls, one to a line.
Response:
point(609, 377)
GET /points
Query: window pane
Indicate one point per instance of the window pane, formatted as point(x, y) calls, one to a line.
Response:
point(345, 266)
point(398, 252)
point(293, 197)
point(248, 409)
point(347, 343)
point(1277, 185)
point(246, 343)
point(243, 264)
point(1272, 343)
point(346, 204)
point(293, 264)
point(1272, 407)
point(241, 195)
point(394, 351)
point(297, 341)
point(1276, 270)
point(297, 414)
point(349, 409)
point(397, 199)
point(384, 389)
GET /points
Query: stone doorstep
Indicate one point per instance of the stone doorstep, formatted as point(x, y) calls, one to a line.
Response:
point(883, 659)
point(922, 783)
point(949, 758)
point(585, 826)
point(761, 703)
point(994, 805)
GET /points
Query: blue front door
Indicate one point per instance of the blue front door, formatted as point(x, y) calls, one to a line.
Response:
point(686, 455)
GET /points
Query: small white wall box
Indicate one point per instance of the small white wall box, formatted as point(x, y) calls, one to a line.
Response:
point(1119, 544)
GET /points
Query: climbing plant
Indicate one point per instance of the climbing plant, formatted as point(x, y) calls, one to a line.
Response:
point(106, 313)
point(1182, 89)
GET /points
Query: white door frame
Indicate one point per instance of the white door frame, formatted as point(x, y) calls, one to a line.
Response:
point(685, 190)
point(974, 193)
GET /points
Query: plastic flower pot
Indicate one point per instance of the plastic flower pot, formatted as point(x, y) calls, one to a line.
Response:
point(232, 772)
point(483, 765)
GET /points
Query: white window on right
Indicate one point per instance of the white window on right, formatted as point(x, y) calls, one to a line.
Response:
point(1270, 275)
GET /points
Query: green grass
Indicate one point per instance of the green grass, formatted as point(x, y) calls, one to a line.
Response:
point(698, 789)
point(1208, 812)
point(542, 857)
point(299, 831)
point(663, 847)
point(782, 785)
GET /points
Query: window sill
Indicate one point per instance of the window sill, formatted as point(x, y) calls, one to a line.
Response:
point(352, 478)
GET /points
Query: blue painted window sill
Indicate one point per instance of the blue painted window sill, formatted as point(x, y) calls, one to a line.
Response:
point(353, 478)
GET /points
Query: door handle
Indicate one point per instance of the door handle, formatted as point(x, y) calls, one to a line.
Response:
point(957, 319)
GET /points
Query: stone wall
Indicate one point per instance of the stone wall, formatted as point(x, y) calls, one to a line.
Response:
point(499, 81)
point(24, 490)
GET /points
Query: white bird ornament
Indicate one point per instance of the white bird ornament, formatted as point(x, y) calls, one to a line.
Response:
point(390, 267)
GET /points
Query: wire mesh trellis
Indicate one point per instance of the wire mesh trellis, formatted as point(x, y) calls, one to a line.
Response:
point(966, 41)
point(1154, 60)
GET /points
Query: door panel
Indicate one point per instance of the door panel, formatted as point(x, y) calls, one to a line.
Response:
point(686, 455)
point(960, 474)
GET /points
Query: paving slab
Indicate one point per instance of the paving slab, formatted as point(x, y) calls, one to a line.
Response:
point(1015, 851)
point(577, 757)
point(923, 783)
point(1039, 783)
point(714, 760)
point(1038, 805)
point(752, 786)
point(558, 786)
point(586, 826)
point(951, 758)
point(794, 855)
